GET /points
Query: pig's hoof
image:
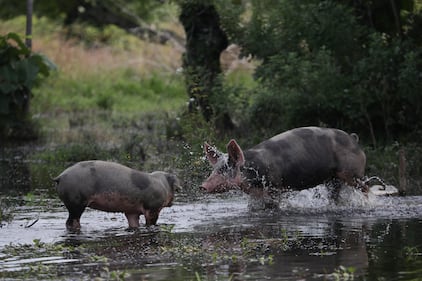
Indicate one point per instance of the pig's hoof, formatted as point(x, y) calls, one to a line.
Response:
point(73, 230)
point(153, 228)
point(132, 229)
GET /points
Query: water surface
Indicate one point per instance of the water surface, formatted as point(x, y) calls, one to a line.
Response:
point(222, 237)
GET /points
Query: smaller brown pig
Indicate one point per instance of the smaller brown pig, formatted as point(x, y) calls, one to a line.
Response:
point(112, 187)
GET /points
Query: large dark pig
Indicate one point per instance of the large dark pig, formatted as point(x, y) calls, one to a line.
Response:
point(296, 159)
point(112, 187)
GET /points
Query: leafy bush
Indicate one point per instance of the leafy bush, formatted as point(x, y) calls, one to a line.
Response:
point(20, 70)
point(312, 88)
point(321, 65)
point(388, 101)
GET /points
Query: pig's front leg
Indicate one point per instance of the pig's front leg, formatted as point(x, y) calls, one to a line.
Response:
point(133, 220)
point(151, 217)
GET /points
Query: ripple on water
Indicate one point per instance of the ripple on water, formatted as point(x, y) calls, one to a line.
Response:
point(17, 264)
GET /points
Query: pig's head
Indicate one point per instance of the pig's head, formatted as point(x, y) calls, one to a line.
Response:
point(171, 183)
point(226, 172)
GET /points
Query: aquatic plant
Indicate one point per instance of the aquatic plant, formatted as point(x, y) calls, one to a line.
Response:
point(411, 253)
point(343, 273)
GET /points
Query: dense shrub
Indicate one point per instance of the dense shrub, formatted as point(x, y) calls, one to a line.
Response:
point(322, 65)
point(20, 69)
point(386, 82)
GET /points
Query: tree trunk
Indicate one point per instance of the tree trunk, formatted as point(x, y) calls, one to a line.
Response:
point(28, 42)
point(28, 38)
point(397, 20)
point(205, 41)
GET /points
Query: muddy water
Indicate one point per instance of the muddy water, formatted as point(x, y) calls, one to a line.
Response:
point(221, 237)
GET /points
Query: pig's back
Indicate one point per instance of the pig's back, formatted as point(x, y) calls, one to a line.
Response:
point(298, 158)
point(96, 176)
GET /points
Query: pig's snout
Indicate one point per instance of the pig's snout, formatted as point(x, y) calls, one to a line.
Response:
point(204, 187)
point(218, 182)
point(207, 187)
point(212, 188)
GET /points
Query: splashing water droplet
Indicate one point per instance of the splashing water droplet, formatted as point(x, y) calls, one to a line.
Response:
point(319, 199)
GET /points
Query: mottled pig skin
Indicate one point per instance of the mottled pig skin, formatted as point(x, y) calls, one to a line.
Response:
point(111, 187)
point(296, 159)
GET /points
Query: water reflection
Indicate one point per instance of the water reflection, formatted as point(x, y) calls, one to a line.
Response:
point(395, 250)
point(219, 238)
point(15, 178)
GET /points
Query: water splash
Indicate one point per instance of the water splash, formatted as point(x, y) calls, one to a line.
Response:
point(319, 200)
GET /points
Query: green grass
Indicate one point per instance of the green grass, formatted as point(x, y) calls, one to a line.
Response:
point(118, 91)
point(102, 69)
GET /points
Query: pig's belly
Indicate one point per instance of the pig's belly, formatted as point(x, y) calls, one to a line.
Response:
point(114, 202)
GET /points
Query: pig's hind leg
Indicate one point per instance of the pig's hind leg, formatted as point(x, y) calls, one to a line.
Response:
point(75, 213)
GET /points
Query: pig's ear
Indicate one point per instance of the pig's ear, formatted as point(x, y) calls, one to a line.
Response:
point(212, 153)
point(235, 153)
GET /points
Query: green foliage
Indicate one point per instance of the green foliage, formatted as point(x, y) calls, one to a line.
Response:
point(323, 64)
point(299, 26)
point(303, 90)
point(388, 97)
point(20, 70)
